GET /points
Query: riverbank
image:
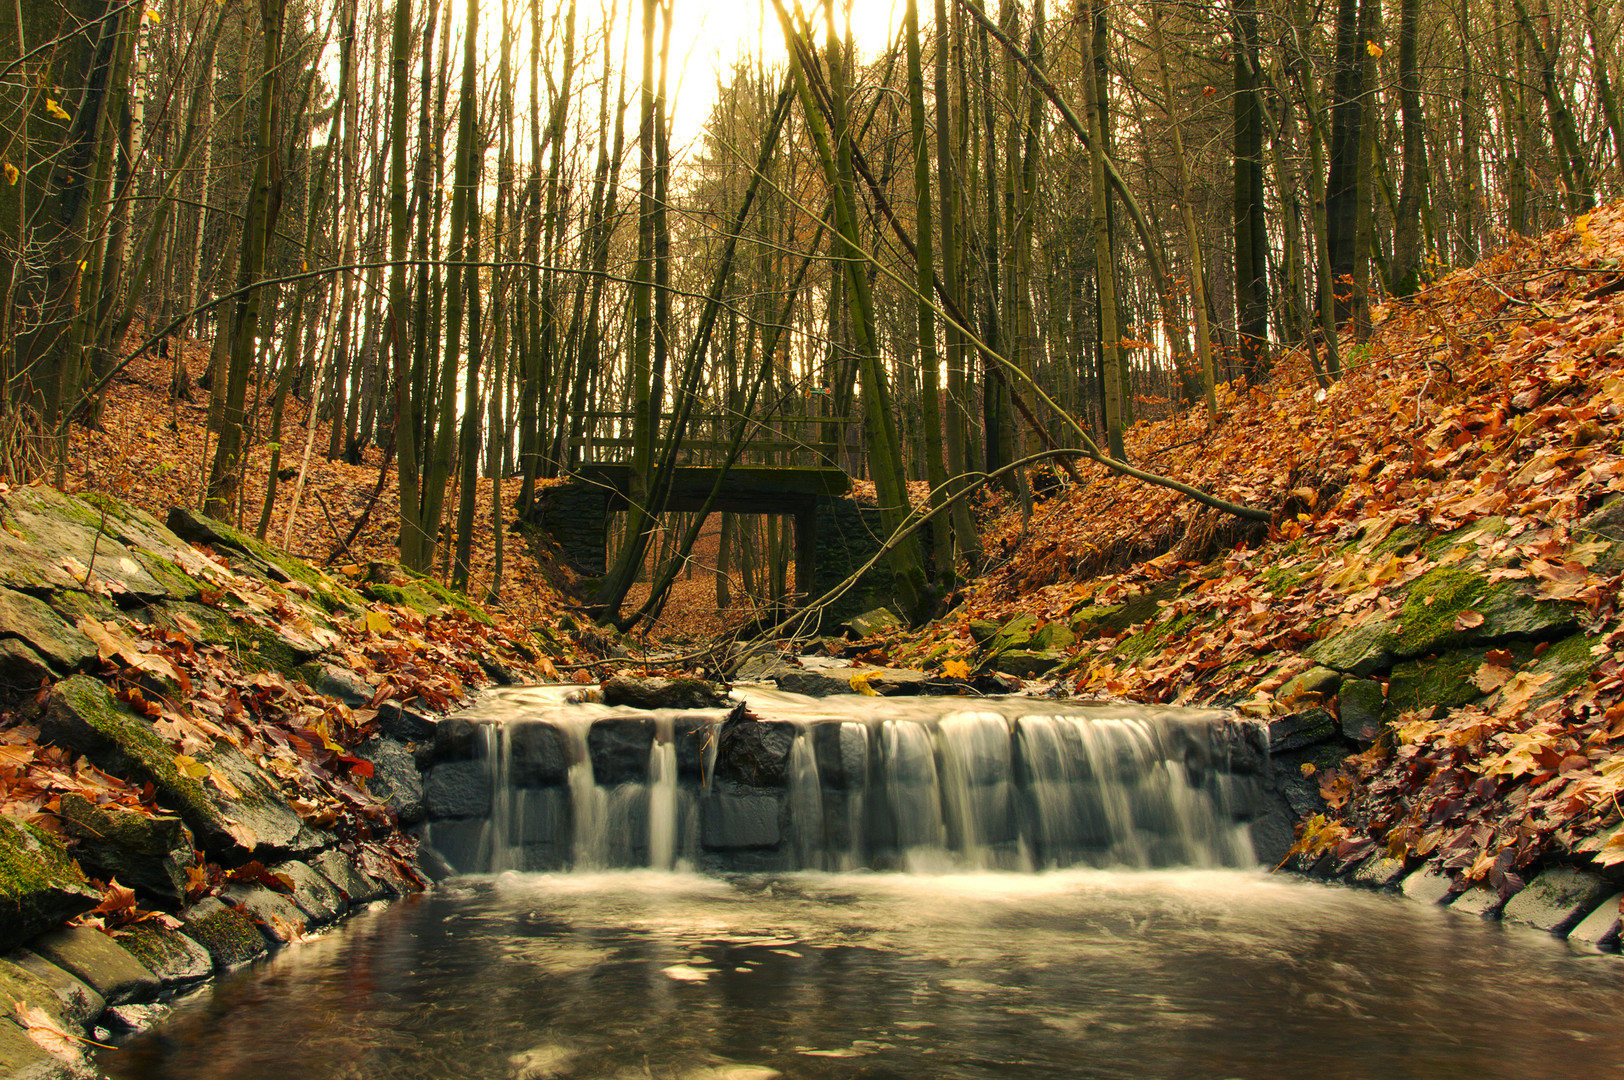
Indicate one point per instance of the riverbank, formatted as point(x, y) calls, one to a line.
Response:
point(189, 724)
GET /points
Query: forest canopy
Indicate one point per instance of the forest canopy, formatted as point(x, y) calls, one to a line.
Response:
point(462, 232)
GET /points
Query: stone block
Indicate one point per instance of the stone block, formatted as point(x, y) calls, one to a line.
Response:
point(457, 738)
point(172, 957)
point(77, 1001)
point(619, 747)
point(99, 962)
point(1557, 900)
point(67, 1001)
point(876, 621)
point(538, 755)
point(730, 822)
point(145, 852)
point(40, 886)
point(646, 692)
point(458, 789)
point(1028, 663)
point(1307, 728)
point(21, 1058)
point(1482, 902)
point(1599, 931)
point(1360, 703)
point(275, 913)
point(1428, 886)
point(229, 935)
point(313, 894)
point(395, 778)
point(356, 886)
point(405, 723)
point(755, 752)
point(47, 633)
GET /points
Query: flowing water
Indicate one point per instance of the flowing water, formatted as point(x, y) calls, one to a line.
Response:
point(1081, 904)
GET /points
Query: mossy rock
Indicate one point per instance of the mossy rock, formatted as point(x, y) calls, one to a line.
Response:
point(228, 934)
point(144, 851)
point(82, 715)
point(1360, 706)
point(1437, 599)
point(40, 886)
point(1014, 634)
point(1443, 681)
point(267, 561)
point(46, 632)
point(1138, 645)
point(1361, 651)
point(1569, 662)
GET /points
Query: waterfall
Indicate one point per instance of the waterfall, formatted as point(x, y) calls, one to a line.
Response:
point(839, 784)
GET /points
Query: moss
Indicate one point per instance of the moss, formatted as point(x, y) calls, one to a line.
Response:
point(1443, 681)
point(394, 594)
point(226, 932)
point(1434, 602)
point(1154, 636)
point(134, 740)
point(31, 860)
point(1280, 580)
point(454, 599)
point(1569, 662)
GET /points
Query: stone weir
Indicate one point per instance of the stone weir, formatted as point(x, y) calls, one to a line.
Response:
point(772, 781)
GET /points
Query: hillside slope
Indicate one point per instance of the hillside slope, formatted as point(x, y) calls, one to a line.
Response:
point(1437, 589)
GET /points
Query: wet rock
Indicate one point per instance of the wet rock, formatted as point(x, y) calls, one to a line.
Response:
point(459, 844)
point(395, 778)
point(751, 751)
point(1307, 728)
point(312, 893)
point(340, 683)
point(1557, 900)
point(538, 755)
point(40, 886)
point(732, 822)
point(1360, 703)
point(98, 961)
point(275, 914)
point(695, 737)
point(68, 1002)
point(1378, 872)
point(642, 692)
point(458, 789)
point(77, 1002)
point(813, 683)
point(145, 852)
point(878, 621)
point(229, 935)
point(1028, 663)
point(355, 885)
point(619, 747)
point(21, 1058)
point(456, 738)
point(173, 958)
point(126, 1020)
point(1241, 745)
point(841, 750)
point(37, 625)
point(1483, 902)
point(1428, 886)
point(1599, 931)
point(407, 724)
point(495, 670)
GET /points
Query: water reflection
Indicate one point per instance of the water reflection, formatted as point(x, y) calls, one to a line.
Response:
point(1071, 974)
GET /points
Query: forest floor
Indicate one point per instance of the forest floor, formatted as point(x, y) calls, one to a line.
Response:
point(1491, 398)
point(1473, 449)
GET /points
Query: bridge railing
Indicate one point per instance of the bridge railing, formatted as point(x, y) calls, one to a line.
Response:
point(780, 439)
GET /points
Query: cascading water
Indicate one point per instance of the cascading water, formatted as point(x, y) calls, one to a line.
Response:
point(837, 784)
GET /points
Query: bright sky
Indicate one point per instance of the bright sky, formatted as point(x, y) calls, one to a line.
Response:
point(707, 36)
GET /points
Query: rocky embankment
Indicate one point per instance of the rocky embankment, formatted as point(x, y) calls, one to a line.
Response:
point(194, 754)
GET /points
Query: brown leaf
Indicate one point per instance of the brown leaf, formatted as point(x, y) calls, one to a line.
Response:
point(1468, 620)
